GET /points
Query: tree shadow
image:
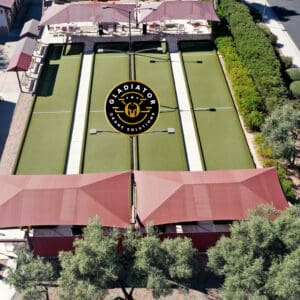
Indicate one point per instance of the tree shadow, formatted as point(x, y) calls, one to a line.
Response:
point(6, 114)
point(283, 14)
point(203, 280)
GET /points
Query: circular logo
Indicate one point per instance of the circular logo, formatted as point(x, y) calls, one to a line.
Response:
point(132, 107)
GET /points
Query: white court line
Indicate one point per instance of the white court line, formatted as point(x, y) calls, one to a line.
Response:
point(76, 144)
point(189, 132)
point(53, 112)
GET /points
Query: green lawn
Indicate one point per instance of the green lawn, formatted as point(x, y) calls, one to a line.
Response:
point(220, 134)
point(160, 151)
point(111, 151)
point(46, 141)
point(105, 152)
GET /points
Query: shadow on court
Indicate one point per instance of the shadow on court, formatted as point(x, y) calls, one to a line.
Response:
point(47, 81)
point(6, 114)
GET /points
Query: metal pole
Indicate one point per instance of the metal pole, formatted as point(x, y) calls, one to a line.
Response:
point(130, 46)
point(132, 152)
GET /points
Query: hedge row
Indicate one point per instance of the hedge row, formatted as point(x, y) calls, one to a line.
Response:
point(269, 161)
point(256, 52)
point(293, 73)
point(250, 103)
point(295, 89)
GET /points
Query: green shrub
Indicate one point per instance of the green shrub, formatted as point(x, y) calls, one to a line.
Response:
point(256, 52)
point(295, 88)
point(287, 61)
point(255, 119)
point(250, 103)
point(286, 184)
point(293, 73)
point(269, 34)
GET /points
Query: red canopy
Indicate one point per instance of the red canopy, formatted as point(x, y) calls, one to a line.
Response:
point(30, 27)
point(22, 56)
point(176, 197)
point(36, 200)
point(180, 10)
point(7, 3)
point(87, 12)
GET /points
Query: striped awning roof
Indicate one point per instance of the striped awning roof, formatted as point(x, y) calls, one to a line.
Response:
point(182, 10)
point(87, 12)
point(30, 27)
point(7, 3)
point(22, 56)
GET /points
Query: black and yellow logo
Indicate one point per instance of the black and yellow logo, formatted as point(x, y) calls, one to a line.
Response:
point(132, 107)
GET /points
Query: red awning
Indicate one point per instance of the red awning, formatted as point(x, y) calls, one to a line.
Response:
point(87, 12)
point(182, 10)
point(22, 56)
point(7, 3)
point(162, 197)
point(176, 197)
point(37, 200)
point(31, 27)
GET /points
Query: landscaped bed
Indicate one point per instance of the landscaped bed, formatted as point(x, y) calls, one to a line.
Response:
point(220, 134)
point(46, 141)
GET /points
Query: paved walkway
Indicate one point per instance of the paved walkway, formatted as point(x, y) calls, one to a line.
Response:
point(74, 157)
point(189, 133)
point(286, 45)
point(16, 131)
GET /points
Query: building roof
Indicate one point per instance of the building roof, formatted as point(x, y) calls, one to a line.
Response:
point(87, 12)
point(180, 10)
point(176, 197)
point(162, 197)
point(22, 56)
point(37, 200)
point(7, 3)
point(30, 27)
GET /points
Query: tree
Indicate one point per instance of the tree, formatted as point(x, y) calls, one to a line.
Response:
point(280, 132)
point(32, 276)
point(127, 260)
point(260, 260)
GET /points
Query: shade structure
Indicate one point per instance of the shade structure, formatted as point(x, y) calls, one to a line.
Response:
point(7, 3)
point(31, 27)
point(22, 56)
point(38, 200)
point(177, 197)
point(87, 12)
point(180, 10)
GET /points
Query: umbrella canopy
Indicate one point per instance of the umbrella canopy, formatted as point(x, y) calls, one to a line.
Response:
point(182, 10)
point(22, 56)
point(87, 12)
point(30, 27)
point(41, 200)
point(176, 197)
